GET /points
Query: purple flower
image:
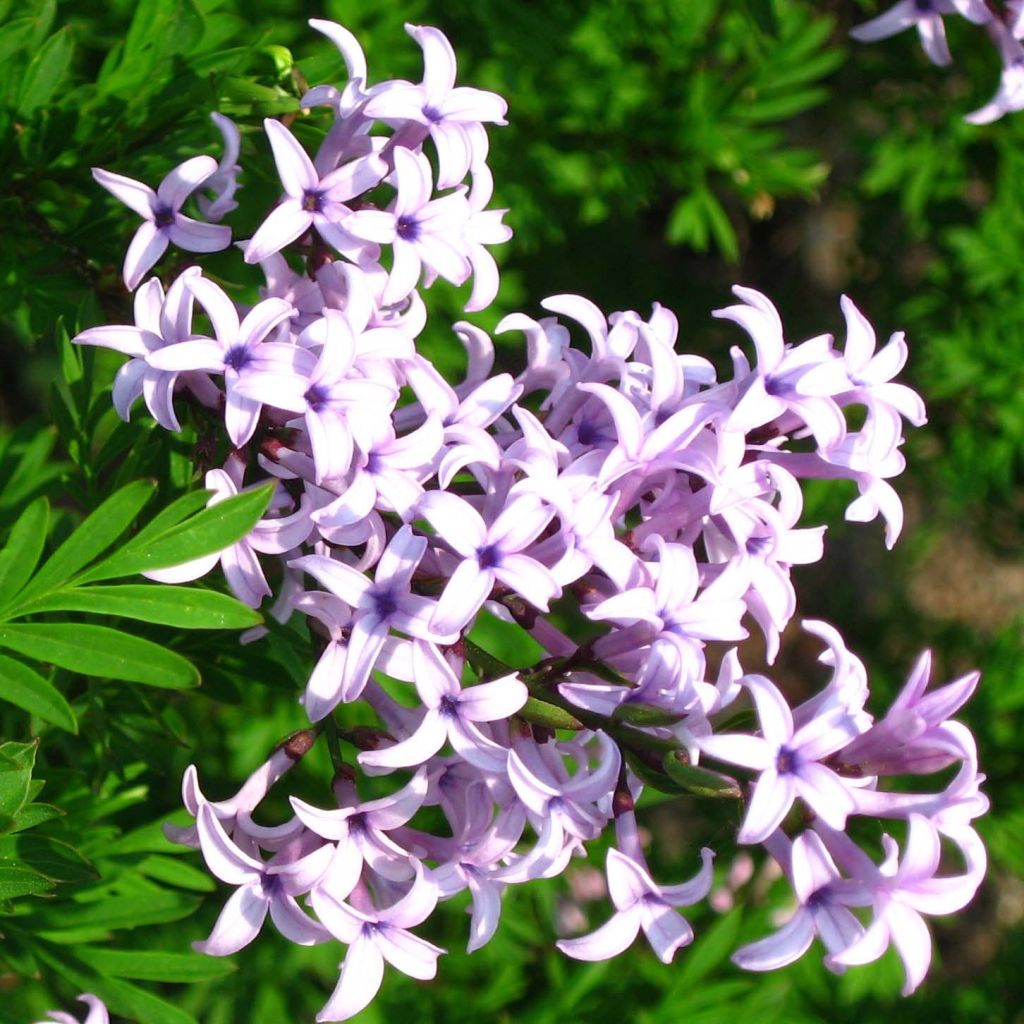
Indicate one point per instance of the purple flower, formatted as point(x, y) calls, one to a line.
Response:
point(422, 231)
point(378, 606)
point(373, 937)
point(163, 221)
point(641, 903)
point(451, 715)
point(489, 553)
point(1010, 94)
point(823, 895)
point(160, 321)
point(97, 1012)
point(902, 890)
point(926, 16)
point(263, 887)
point(448, 113)
point(240, 349)
point(312, 201)
point(789, 761)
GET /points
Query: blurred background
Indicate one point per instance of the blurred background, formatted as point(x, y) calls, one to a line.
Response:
point(656, 151)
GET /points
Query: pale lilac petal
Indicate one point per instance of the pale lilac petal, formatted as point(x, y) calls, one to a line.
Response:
point(186, 572)
point(913, 942)
point(666, 930)
point(410, 954)
point(464, 595)
point(486, 911)
point(323, 690)
point(353, 179)
point(223, 858)
point(220, 309)
point(473, 746)
point(198, 354)
point(611, 939)
point(148, 245)
point(361, 975)
point(627, 881)
point(686, 894)
point(132, 193)
point(824, 792)
point(438, 62)
point(772, 710)
point(294, 167)
point(736, 748)
point(494, 701)
point(241, 417)
point(294, 924)
point(365, 642)
point(184, 180)
point(194, 236)
point(238, 924)
point(771, 800)
point(120, 338)
point(787, 945)
point(283, 225)
point(528, 578)
point(244, 575)
point(405, 271)
point(426, 741)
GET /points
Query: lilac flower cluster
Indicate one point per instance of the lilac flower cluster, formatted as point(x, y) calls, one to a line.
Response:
point(1005, 27)
point(657, 504)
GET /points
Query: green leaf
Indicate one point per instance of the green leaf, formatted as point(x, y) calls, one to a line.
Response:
point(187, 607)
point(114, 912)
point(121, 997)
point(24, 546)
point(209, 531)
point(16, 881)
point(146, 965)
point(53, 859)
point(100, 651)
point(16, 763)
point(45, 72)
point(111, 518)
point(35, 814)
point(716, 944)
point(27, 689)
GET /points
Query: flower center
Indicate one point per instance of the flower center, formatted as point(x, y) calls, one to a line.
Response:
point(163, 216)
point(312, 201)
point(407, 229)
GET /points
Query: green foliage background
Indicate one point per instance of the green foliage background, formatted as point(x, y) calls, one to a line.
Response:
point(656, 151)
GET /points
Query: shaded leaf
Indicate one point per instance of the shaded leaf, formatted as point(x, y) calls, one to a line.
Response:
point(118, 912)
point(18, 881)
point(187, 607)
point(52, 858)
point(28, 690)
point(20, 555)
point(100, 651)
point(209, 531)
point(93, 536)
point(45, 72)
point(146, 965)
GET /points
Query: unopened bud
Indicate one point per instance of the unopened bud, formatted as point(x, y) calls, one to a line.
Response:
point(298, 744)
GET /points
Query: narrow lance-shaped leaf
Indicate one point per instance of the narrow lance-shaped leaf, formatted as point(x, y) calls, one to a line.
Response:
point(24, 546)
point(146, 965)
point(99, 530)
point(211, 530)
point(27, 689)
point(100, 651)
point(186, 607)
point(45, 72)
